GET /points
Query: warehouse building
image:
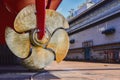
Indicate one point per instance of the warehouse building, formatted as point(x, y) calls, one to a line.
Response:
point(95, 33)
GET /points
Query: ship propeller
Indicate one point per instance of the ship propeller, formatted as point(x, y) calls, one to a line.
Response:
point(24, 42)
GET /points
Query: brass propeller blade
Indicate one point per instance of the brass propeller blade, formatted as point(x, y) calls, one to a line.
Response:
point(59, 43)
point(55, 20)
point(25, 19)
point(19, 44)
point(39, 58)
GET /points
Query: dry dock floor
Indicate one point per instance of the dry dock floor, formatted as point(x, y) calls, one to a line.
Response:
point(69, 70)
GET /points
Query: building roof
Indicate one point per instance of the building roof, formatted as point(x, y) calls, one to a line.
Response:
point(86, 11)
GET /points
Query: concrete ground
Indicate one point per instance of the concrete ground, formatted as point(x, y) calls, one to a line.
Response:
point(69, 70)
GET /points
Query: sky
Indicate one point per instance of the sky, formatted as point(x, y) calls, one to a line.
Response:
point(67, 5)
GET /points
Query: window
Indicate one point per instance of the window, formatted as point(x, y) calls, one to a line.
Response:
point(87, 43)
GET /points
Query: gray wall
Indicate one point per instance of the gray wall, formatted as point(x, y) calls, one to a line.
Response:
point(94, 33)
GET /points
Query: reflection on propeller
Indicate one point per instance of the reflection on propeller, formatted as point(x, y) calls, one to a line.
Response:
point(55, 42)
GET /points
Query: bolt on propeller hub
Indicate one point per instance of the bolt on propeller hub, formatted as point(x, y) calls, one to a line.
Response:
point(36, 42)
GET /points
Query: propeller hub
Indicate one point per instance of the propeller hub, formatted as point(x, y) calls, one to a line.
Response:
point(35, 40)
